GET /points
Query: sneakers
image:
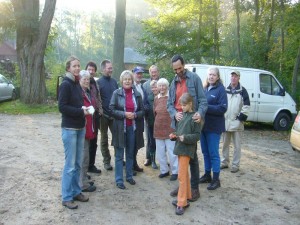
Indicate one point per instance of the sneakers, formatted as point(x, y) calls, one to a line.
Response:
point(206, 178)
point(70, 204)
point(121, 186)
point(214, 185)
point(179, 210)
point(131, 181)
point(173, 177)
point(162, 175)
point(91, 188)
point(223, 166)
point(174, 202)
point(234, 169)
point(81, 198)
point(138, 169)
point(94, 169)
point(195, 195)
point(154, 166)
point(107, 166)
point(147, 162)
point(174, 192)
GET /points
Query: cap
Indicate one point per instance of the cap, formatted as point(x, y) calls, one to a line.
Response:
point(236, 72)
point(138, 69)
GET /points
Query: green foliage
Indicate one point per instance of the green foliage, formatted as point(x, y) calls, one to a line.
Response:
point(16, 108)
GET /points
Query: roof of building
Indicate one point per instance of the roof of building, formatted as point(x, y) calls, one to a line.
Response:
point(133, 57)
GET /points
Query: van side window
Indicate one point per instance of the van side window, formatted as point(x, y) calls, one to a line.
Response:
point(269, 85)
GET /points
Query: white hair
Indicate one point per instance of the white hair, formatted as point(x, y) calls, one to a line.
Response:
point(84, 73)
point(163, 81)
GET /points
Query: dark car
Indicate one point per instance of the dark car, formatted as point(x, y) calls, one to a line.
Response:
point(7, 89)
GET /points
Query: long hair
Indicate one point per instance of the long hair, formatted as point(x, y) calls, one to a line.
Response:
point(217, 72)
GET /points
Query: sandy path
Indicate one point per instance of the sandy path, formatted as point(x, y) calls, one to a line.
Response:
point(265, 191)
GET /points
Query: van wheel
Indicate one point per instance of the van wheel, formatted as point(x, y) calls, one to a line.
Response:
point(282, 122)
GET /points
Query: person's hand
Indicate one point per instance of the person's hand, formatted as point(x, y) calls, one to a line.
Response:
point(196, 117)
point(178, 116)
point(181, 138)
point(129, 115)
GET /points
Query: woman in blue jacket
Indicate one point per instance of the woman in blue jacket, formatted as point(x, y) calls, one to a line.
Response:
point(213, 127)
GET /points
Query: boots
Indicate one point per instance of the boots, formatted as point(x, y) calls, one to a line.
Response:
point(153, 163)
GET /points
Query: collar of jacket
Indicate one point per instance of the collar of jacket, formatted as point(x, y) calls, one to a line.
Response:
point(71, 76)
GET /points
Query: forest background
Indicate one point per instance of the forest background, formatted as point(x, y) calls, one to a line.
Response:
point(263, 34)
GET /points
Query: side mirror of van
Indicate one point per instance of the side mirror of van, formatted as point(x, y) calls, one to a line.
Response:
point(282, 91)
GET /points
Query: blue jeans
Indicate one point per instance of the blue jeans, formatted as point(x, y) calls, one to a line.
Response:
point(210, 150)
point(73, 141)
point(129, 139)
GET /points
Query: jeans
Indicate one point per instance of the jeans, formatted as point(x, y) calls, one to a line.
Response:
point(210, 150)
point(84, 181)
point(119, 156)
point(73, 141)
point(105, 123)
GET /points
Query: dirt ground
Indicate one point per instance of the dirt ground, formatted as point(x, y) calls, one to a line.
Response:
point(265, 191)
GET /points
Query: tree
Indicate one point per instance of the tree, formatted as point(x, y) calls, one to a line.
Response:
point(32, 35)
point(119, 36)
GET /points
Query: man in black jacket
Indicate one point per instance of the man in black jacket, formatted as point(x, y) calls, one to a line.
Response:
point(107, 85)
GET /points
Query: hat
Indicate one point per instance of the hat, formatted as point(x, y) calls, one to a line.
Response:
point(138, 69)
point(236, 72)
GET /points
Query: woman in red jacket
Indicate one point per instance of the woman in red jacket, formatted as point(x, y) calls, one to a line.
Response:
point(89, 103)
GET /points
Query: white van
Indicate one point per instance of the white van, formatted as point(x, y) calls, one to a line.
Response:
point(270, 103)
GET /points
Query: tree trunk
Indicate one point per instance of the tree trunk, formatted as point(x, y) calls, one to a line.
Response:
point(216, 32)
point(238, 35)
point(198, 38)
point(119, 38)
point(295, 75)
point(282, 32)
point(269, 32)
point(32, 36)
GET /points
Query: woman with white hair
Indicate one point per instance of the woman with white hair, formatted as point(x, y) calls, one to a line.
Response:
point(162, 129)
point(89, 103)
point(126, 107)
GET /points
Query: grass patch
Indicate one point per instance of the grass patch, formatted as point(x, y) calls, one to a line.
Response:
point(16, 107)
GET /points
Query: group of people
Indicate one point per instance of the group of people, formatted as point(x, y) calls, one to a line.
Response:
point(174, 116)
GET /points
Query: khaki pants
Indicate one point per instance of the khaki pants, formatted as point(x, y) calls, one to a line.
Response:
point(236, 138)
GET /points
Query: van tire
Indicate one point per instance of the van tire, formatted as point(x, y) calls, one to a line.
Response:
point(282, 122)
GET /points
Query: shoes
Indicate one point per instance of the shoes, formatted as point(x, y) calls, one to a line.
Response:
point(162, 175)
point(138, 169)
point(81, 198)
point(179, 210)
point(214, 185)
point(147, 162)
point(174, 202)
point(134, 173)
point(94, 169)
point(174, 192)
point(91, 183)
point(206, 178)
point(88, 177)
point(131, 181)
point(173, 177)
point(195, 195)
point(91, 188)
point(70, 204)
point(107, 166)
point(121, 186)
point(223, 166)
point(154, 166)
point(234, 169)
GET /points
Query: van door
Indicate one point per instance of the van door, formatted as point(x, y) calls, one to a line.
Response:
point(270, 98)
